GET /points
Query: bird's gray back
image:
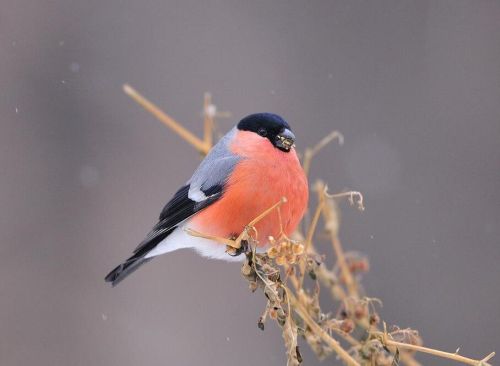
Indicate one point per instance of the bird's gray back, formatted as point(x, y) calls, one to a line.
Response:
point(215, 169)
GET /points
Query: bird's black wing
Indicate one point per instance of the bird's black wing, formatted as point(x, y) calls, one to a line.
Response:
point(176, 211)
point(205, 187)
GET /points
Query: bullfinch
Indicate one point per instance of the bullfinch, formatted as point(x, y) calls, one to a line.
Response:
point(245, 173)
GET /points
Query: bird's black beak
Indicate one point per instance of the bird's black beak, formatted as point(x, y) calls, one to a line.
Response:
point(285, 140)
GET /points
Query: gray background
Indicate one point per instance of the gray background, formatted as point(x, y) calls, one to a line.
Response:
point(413, 85)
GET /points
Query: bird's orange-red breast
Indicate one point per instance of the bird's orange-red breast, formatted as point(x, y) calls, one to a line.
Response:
point(263, 176)
point(249, 170)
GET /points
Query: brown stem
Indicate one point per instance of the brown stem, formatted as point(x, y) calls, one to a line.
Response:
point(337, 247)
point(208, 120)
point(310, 233)
point(343, 354)
point(187, 135)
point(309, 153)
point(435, 352)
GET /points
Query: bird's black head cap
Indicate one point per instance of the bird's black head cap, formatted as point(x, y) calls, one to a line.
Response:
point(270, 126)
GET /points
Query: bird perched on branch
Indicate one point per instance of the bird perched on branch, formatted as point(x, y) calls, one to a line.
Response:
point(251, 168)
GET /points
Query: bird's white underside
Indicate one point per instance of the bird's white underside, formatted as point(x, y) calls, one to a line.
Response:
point(180, 239)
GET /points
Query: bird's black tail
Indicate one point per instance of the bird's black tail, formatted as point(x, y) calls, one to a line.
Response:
point(123, 270)
point(139, 258)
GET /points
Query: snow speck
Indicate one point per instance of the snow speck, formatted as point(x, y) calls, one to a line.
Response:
point(273, 92)
point(63, 81)
point(89, 176)
point(17, 110)
point(74, 67)
point(228, 339)
point(61, 43)
point(330, 76)
point(104, 317)
point(371, 237)
point(14, 43)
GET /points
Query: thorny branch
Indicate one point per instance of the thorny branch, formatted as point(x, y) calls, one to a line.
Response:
point(298, 311)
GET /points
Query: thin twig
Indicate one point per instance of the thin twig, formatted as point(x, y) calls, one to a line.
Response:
point(337, 247)
point(350, 195)
point(309, 237)
point(435, 352)
point(335, 345)
point(310, 152)
point(187, 135)
point(208, 120)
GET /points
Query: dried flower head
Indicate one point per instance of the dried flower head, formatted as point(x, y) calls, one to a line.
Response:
point(285, 251)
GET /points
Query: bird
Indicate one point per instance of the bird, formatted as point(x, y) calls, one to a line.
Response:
point(247, 171)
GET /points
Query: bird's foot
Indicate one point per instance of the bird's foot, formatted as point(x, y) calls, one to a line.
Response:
point(234, 252)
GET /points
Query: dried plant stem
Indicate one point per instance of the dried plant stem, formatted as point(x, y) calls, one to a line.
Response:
point(268, 211)
point(187, 135)
point(309, 237)
point(435, 352)
point(299, 308)
point(310, 152)
point(208, 120)
point(350, 195)
point(343, 354)
point(330, 281)
point(271, 282)
point(351, 285)
point(337, 247)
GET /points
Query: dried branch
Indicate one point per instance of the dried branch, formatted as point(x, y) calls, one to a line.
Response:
point(385, 338)
point(350, 195)
point(330, 217)
point(311, 152)
point(209, 111)
point(368, 346)
point(184, 133)
point(342, 353)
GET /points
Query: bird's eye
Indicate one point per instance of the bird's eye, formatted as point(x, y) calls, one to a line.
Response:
point(262, 132)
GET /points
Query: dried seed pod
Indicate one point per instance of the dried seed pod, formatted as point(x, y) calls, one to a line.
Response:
point(290, 259)
point(253, 286)
point(281, 260)
point(284, 245)
point(360, 310)
point(246, 269)
point(357, 262)
point(347, 325)
point(272, 252)
point(374, 319)
point(312, 275)
point(260, 323)
point(297, 248)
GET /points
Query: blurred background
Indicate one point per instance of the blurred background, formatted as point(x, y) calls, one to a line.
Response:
point(413, 85)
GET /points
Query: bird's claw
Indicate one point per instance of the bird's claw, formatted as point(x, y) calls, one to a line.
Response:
point(234, 252)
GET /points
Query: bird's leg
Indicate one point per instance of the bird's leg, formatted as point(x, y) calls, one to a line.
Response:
point(233, 252)
point(239, 244)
